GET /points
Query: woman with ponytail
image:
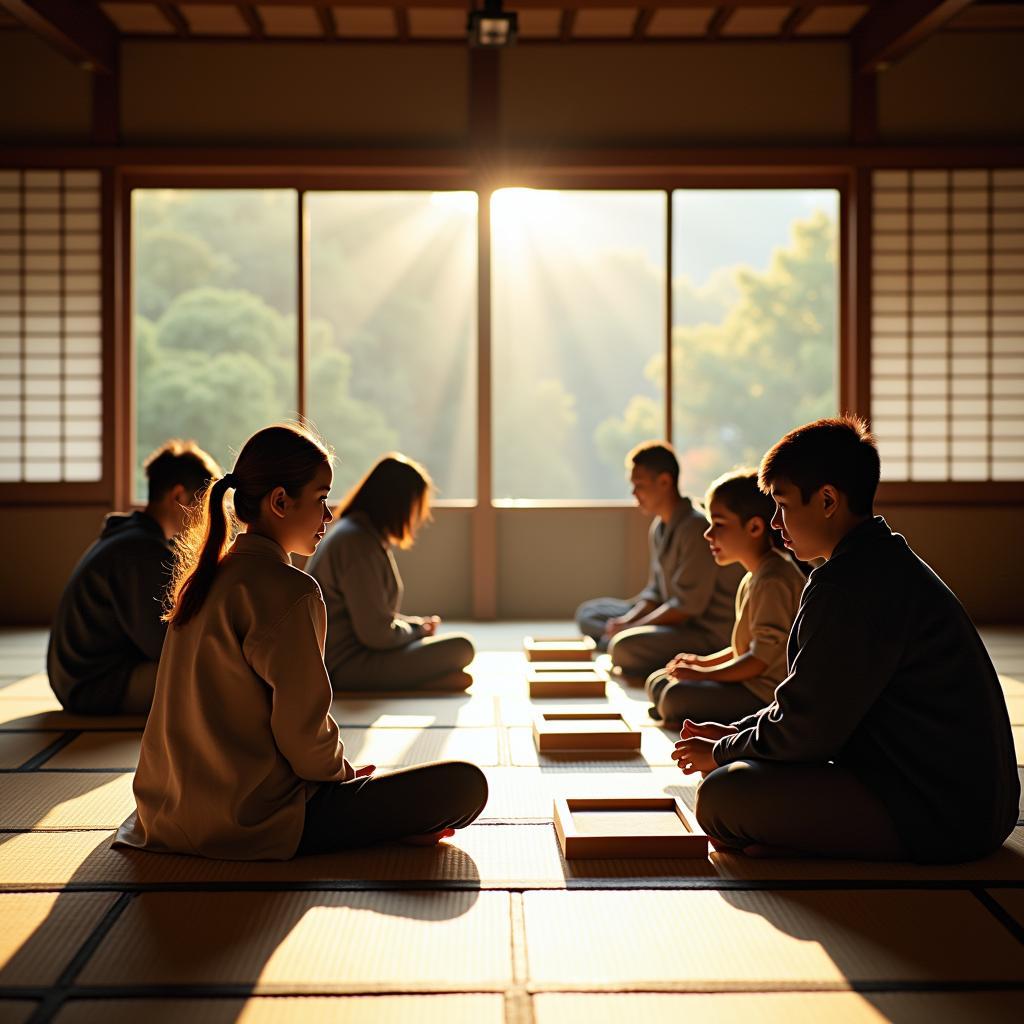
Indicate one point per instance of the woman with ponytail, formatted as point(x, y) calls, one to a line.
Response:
point(241, 758)
point(741, 679)
point(371, 645)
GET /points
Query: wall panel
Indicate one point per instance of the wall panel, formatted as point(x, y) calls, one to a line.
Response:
point(293, 94)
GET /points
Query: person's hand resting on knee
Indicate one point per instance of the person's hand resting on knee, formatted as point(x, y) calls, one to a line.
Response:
point(694, 752)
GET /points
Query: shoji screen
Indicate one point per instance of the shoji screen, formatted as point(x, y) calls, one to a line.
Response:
point(947, 393)
point(50, 326)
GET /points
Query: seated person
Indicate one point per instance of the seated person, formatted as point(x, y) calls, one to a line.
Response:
point(689, 602)
point(106, 636)
point(741, 679)
point(370, 644)
point(889, 739)
point(241, 759)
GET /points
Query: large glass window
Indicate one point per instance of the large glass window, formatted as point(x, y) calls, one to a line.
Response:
point(754, 322)
point(578, 327)
point(392, 334)
point(578, 315)
point(215, 327)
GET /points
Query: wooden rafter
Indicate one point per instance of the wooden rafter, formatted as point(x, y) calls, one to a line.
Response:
point(252, 18)
point(719, 20)
point(77, 30)
point(516, 4)
point(889, 31)
point(328, 25)
point(402, 23)
point(173, 14)
point(643, 19)
point(796, 18)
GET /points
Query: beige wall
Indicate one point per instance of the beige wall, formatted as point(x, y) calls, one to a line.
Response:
point(549, 560)
point(38, 549)
point(955, 88)
point(672, 95)
point(293, 94)
point(976, 551)
point(43, 96)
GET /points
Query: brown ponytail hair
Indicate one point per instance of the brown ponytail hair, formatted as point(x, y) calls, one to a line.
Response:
point(395, 497)
point(286, 455)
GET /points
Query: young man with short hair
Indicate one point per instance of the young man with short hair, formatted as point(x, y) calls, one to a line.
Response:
point(689, 601)
point(106, 636)
point(889, 738)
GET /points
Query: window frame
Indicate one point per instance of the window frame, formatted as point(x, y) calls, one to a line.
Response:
point(101, 492)
point(304, 180)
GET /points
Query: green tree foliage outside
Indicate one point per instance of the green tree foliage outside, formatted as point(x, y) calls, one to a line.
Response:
point(392, 344)
point(215, 331)
point(740, 383)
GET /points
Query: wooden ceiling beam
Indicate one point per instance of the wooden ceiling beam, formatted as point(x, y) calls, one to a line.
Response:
point(402, 23)
point(77, 30)
point(719, 20)
point(568, 24)
point(890, 31)
point(643, 19)
point(328, 25)
point(518, 5)
point(251, 17)
point(795, 19)
point(173, 14)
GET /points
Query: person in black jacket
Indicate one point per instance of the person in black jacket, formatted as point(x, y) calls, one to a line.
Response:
point(889, 739)
point(106, 636)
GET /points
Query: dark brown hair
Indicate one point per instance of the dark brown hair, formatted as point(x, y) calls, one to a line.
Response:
point(840, 451)
point(657, 456)
point(178, 462)
point(739, 493)
point(394, 496)
point(286, 455)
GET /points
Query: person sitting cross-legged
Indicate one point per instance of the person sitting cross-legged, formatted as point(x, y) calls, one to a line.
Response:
point(107, 635)
point(889, 738)
point(689, 601)
point(740, 679)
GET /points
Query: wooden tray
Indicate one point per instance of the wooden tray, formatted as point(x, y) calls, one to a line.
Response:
point(576, 730)
point(559, 648)
point(554, 667)
point(584, 683)
point(624, 827)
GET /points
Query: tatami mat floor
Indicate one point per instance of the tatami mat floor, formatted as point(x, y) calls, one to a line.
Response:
point(494, 927)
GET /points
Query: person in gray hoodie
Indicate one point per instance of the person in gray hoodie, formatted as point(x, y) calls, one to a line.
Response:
point(371, 645)
point(106, 637)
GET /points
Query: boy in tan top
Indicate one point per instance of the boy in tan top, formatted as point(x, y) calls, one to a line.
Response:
point(741, 679)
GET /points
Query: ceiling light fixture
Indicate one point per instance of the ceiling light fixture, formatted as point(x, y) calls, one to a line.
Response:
point(492, 26)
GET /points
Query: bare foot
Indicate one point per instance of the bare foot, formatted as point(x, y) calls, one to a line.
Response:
point(427, 838)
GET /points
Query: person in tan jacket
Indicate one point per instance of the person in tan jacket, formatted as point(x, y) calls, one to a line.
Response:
point(241, 758)
point(740, 679)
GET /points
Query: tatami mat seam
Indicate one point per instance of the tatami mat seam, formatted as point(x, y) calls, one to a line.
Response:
point(234, 990)
point(736, 987)
point(55, 996)
point(593, 885)
point(518, 1004)
point(1000, 913)
point(33, 763)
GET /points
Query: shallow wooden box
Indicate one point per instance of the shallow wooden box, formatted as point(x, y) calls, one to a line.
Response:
point(624, 827)
point(559, 648)
point(584, 683)
point(574, 731)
